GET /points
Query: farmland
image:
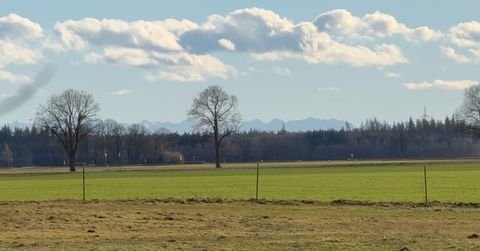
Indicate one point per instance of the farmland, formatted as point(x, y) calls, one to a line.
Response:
point(361, 205)
point(398, 181)
point(195, 225)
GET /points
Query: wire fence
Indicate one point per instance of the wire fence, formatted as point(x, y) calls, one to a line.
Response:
point(420, 183)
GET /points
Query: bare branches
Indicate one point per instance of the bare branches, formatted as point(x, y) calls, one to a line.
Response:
point(215, 108)
point(215, 112)
point(70, 116)
point(470, 109)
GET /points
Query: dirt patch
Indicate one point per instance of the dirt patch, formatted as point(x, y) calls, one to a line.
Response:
point(473, 236)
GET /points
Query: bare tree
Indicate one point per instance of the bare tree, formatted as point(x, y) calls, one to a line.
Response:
point(112, 132)
point(469, 111)
point(7, 155)
point(215, 112)
point(137, 134)
point(71, 116)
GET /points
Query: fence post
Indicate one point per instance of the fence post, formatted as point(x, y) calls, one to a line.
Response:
point(256, 191)
point(425, 183)
point(83, 179)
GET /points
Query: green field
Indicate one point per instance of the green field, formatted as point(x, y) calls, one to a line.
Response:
point(127, 209)
point(448, 181)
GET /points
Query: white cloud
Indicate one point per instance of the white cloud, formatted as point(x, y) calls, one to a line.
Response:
point(476, 55)
point(465, 34)
point(332, 52)
point(268, 36)
point(180, 75)
point(384, 54)
point(275, 55)
point(392, 75)
point(423, 34)
point(190, 73)
point(20, 40)
point(282, 71)
point(14, 53)
point(342, 23)
point(13, 78)
point(14, 27)
point(174, 67)
point(454, 84)
point(182, 67)
point(442, 84)
point(122, 92)
point(381, 24)
point(121, 55)
point(151, 45)
point(250, 30)
point(177, 27)
point(418, 86)
point(179, 50)
point(53, 43)
point(452, 54)
point(227, 44)
point(159, 36)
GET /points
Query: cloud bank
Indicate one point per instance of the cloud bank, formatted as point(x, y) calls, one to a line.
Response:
point(182, 50)
point(188, 51)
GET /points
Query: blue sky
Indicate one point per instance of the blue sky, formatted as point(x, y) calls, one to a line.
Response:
point(146, 60)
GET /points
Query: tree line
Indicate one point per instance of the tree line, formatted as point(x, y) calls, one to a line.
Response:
point(67, 131)
point(116, 144)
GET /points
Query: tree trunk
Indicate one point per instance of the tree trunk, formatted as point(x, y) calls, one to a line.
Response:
point(217, 155)
point(71, 162)
point(216, 143)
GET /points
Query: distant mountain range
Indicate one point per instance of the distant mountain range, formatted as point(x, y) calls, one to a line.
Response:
point(274, 125)
point(256, 124)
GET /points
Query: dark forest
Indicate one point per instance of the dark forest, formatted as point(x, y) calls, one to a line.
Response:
point(114, 144)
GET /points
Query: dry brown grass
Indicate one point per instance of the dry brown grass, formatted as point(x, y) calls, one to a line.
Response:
point(234, 225)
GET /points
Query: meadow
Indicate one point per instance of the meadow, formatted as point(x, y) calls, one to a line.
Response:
point(377, 181)
point(199, 207)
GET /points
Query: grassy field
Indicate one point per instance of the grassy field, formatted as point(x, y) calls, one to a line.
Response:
point(448, 181)
point(126, 209)
point(157, 225)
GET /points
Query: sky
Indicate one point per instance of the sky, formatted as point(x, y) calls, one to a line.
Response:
point(147, 60)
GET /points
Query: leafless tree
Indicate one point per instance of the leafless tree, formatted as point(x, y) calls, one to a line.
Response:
point(7, 155)
point(215, 112)
point(469, 111)
point(112, 132)
point(71, 116)
point(136, 143)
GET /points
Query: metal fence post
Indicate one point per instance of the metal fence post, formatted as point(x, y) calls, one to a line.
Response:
point(83, 178)
point(425, 183)
point(256, 191)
